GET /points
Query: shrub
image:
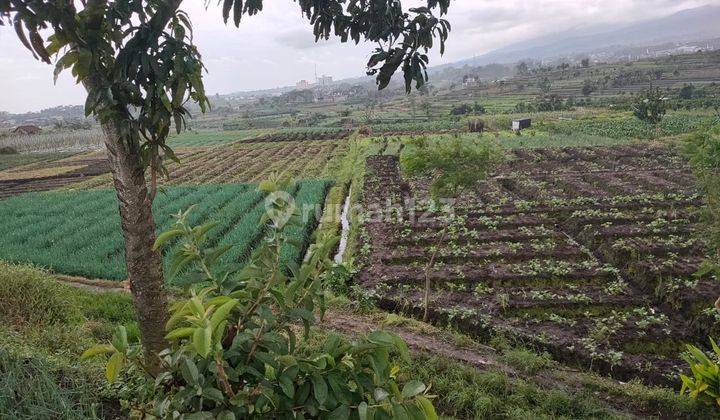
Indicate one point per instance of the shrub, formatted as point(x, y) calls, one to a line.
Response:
point(650, 106)
point(8, 150)
point(476, 126)
point(29, 297)
point(461, 109)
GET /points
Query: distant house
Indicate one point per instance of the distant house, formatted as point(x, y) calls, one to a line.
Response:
point(518, 125)
point(469, 81)
point(27, 129)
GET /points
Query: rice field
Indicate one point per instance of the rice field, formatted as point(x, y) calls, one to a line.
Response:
point(78, 232)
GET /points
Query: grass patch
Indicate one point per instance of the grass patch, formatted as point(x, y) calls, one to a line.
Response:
point(32, 388)
point(29, 298)
point(527, 361)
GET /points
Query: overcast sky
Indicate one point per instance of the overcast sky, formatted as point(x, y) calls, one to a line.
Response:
point(277, 48)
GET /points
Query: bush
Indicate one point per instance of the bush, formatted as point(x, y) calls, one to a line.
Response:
point(650, 106)
point(476, 126)
point(7, 150)
point(29, 297)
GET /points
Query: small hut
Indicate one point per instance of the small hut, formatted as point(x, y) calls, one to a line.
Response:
point(27, 130)
point(521, 124)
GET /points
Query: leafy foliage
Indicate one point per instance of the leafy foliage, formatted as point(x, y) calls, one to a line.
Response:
point(454, 164)
point(234, 347)
point(650, 106)
point(705, 383)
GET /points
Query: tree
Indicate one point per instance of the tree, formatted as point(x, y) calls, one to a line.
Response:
point(585, 63)
point(544, 85)
point(687, 91)
point(522, 68)
point(456, 166)
point(588, 87)
point(650, 106)
point(137, 61)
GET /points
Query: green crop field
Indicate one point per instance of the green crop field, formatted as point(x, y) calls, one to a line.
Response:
point(78, 232)
point(204, 138)
point(14, 160)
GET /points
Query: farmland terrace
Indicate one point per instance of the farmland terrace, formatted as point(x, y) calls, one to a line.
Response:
point(587, 252)
point(51, 174)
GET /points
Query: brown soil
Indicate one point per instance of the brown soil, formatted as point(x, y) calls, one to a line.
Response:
point(546, 270)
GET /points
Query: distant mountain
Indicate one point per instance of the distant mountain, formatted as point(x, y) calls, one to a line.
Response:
point(696, 24)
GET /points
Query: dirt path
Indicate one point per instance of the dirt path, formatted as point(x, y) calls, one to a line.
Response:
point(353, 324)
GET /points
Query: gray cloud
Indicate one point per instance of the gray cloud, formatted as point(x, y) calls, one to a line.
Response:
point(277, 47)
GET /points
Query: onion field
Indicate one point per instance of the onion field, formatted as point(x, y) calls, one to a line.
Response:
point(78, 232)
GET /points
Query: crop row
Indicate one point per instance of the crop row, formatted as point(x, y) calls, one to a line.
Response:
point(300, 134)
point(78, 232)
point(595, 265)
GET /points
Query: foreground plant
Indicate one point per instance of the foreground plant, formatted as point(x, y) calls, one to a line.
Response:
point(234, 346)
point(455, 166)
point(704, 386)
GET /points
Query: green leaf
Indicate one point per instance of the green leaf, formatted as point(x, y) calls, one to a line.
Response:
point(222, 312)
point(114, 367)
point(287, 386)
point(189, 371)
point(164, 237)
point(427, 408)
point(413, 388)
point(119, 339)
point(202, 340)
point(180, 333)
point(363, 411)
point(340, 413)
point(320, 389)
point(97, 350)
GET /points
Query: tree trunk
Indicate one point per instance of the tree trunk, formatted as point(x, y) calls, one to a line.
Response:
point(144, 266)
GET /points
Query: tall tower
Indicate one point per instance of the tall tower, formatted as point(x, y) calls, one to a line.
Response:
point(316, 79)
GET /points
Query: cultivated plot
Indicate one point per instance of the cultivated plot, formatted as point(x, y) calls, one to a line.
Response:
point(78, 232)
point(587, 252)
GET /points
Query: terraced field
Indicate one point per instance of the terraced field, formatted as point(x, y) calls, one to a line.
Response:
point(251, 162)
point(49, 174)
point(589, 253)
